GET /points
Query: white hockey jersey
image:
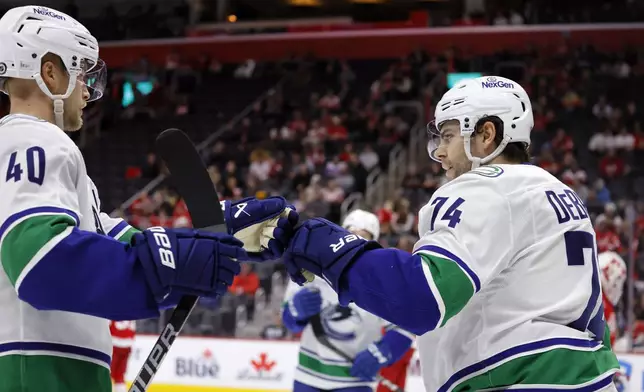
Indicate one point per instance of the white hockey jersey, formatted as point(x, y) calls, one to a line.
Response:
point(44, 175)
point(351, 329)
point(523, 304)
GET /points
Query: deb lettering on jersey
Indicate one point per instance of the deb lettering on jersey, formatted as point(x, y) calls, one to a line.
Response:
point(567, 206)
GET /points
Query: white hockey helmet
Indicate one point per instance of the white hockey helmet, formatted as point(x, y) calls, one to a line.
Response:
point(613, 275)
point(474, 99)
point(28, 33)
point(363, 220)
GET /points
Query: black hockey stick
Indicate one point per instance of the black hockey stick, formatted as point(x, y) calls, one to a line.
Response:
point(320, 335)
point(191, 179)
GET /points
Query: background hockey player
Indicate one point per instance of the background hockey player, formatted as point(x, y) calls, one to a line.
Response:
point(397, 372)
point(123, 333)
point(613, 277)
point(68, 268)
point(351, 329)
point(503, 284)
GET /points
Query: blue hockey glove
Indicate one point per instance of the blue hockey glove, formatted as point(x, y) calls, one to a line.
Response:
point(191, 261)
point(305, 304)
point(263, 226)
point(324, 249)
point(368, 362)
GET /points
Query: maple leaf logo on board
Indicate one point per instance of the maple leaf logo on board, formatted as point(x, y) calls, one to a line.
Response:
point(263, 364)
point(261, 368)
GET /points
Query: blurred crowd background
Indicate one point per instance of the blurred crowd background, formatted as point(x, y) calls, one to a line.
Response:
point(333, 134)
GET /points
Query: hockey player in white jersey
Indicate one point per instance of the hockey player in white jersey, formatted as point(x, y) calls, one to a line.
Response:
point(351, 329)
point(503, 284)
point(67, 267)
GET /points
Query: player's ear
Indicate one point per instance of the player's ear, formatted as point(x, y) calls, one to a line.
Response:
point(488, 134)
point(52, 74)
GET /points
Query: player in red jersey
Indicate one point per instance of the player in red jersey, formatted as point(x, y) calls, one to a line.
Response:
point(613, 277)
point(397, 372)
point(122, 339)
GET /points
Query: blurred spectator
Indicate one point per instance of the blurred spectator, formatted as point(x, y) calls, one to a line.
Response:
point(260, 166)
point(246, 69)
point(562, 142)
point(368, 157)
point(244, 287)
point(152, 167)
point(611, 165)
point(402, 219)
point(276, 330)
point(602, 108)
point(607, 238)
point(610, 216)
point(547, 161)
point(624, 140)
point(573, 174)
point(406, 243)
point(602, 192)
point(344, 178)
point(412, 180)
point(330, 101)
point(332, 193)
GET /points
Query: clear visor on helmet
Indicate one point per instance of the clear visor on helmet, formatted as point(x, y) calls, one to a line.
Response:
point(93, 77)
point(435, 140)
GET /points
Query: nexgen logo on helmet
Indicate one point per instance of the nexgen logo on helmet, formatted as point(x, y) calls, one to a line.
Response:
point(30, 32)
point(493, 82)
point(47, 12)
point(474, 99)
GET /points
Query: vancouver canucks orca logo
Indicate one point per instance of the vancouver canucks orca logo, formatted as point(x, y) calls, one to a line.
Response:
point(339, 322)
point(488, 171)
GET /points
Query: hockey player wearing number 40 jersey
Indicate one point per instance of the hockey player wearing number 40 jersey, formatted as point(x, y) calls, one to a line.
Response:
point(504, 283)
point(67, 268)
point(354, 331)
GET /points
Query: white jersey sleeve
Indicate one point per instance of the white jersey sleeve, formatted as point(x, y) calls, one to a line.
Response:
point(460, 242)
point(117, 228)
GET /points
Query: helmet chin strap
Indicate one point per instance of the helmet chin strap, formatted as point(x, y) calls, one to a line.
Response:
point(476, 161)
point(59, 104)
point(58, 113)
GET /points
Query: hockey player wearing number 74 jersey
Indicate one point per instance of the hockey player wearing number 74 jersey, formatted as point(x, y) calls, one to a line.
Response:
point(504, 284)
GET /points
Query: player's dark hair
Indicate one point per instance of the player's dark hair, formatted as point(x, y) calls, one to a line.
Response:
point(517, 152)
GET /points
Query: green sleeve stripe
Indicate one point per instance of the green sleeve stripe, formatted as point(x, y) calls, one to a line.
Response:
point(454, 286)
point(558, 368)
point(316, 365)
point(22, 244)
point(126, 235)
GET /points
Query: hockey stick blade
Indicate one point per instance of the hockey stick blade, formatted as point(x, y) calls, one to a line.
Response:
point(191, 179)
point(320, 335)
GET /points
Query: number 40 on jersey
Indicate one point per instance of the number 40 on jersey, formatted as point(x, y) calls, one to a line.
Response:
point(34, 158)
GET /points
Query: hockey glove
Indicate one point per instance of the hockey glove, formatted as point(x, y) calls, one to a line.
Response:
point(263, 226)
point(324, 249)
point(621, 381)
point(368, 362)
point(305, 304)
point(191, 261)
